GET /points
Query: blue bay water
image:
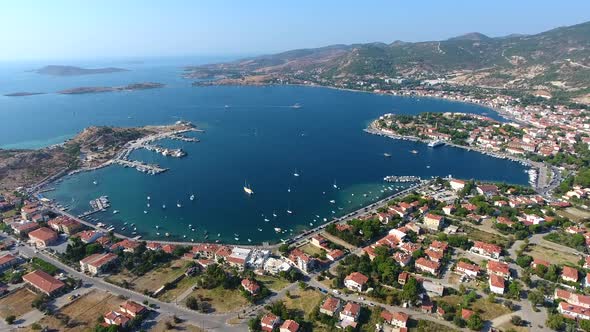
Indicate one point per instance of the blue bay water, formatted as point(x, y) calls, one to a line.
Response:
point(258, 139)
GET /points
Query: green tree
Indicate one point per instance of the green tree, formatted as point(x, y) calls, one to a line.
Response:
point(411, 290)
point(475, 323)
point(10, 319)
point(555, 322)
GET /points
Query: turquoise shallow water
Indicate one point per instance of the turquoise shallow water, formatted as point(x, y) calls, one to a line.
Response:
point(258, 139)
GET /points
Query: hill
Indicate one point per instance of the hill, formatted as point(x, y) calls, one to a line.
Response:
point(555, 61)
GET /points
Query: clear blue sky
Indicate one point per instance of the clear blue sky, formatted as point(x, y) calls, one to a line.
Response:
point(59, 29)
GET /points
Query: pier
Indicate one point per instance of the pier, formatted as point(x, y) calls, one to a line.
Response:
point(140, 166)
point(404, 178)
point(177, 153)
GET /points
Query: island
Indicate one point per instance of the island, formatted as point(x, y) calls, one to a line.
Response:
point(55, 70)
point(23, 94)
point(99, 89)
point(92, 148)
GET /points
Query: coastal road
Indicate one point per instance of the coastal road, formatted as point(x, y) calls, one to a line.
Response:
point(212, 322)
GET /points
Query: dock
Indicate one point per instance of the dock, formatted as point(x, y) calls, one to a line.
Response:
point(140, 166)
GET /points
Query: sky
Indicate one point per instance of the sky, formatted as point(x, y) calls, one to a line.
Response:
point(61, 29)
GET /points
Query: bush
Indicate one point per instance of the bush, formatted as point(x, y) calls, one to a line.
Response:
point(10, 319)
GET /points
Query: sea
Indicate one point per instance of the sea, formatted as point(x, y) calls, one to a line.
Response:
point(314, 161)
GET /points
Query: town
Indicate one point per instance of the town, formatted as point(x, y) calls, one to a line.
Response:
point(452, 254)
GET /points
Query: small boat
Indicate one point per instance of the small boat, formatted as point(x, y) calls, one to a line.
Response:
point(289, 212)
point(260, 229)
point(157, 226)
point(274, 214)
point(266, 219)
point(296, 174)
point(95, 182)
point(289, 190)
point(192, 198)
point(158, 233)
point(116, 211)
point(332, 201)
point(334, 185)
point(237, 238)
point(148, 198)
point(414, 151)
point(247, 189)
point(163, 206)
point(249, 240)
point(277, 229)
point(178, 205)
point(167, 234)
point(218, 234)
point(427, 166)
point(148, 205)
point(296, 106)
point(145, 212)
point(122, 228)
point(386, 155)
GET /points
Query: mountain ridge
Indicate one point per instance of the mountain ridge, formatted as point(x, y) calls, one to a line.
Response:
point(556, 61)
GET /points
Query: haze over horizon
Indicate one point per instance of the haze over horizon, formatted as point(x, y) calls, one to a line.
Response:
point(72, 30)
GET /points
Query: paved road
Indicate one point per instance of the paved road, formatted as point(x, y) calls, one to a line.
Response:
point(213, 322)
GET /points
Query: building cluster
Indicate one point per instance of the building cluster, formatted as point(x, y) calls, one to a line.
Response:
point(127, 312)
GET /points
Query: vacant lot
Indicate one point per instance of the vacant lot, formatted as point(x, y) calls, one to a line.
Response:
point(310, 249)
point(152, 280)
point(483, 307)
point(551, 255)
point(183, 326)
point(17, 303)
point(303, 301)
point(428, 326)
point(273, 283)
point(82, 312)
point(221, 300)
point(171, 294)
point(479, 235)
point(574, 214)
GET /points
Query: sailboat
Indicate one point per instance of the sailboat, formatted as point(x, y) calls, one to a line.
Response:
point(247, 189)
point(334, 185)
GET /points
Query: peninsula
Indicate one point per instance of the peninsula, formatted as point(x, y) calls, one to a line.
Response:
point(90, 149)
point(100, 89)
point(55, 70)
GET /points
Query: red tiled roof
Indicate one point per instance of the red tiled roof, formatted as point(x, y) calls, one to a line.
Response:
point(43, 281)
point(331, 304)
point(427, 263)
point(466, 313)
point(7, 258)
point(290, 325)
point(492, 248)
point(496, 281)
point(43, 234)
point(569, 272)
point(132, 307)
point(357, 277)
point(498, 267)
point(250, 285)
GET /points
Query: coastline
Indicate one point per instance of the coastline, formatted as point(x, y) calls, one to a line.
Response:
point(538, 166)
